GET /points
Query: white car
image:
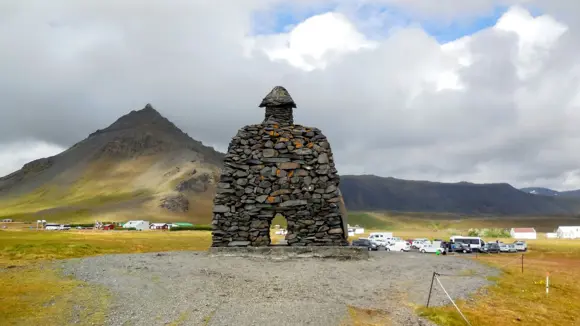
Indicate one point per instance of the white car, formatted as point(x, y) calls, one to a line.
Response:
point(418, 243)
point(380, 239)
point(399, 246)
point(521, 245)
point(429, 248)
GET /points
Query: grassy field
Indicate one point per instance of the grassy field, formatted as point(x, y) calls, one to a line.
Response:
point(34, 292)
point(516, 297)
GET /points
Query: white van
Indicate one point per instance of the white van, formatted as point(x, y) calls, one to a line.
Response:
point(475, 243)
point(399, 246)
point(380, 238)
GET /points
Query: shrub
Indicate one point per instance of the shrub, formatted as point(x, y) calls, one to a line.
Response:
point(489, 233)
point(83, 225)
point(200, 227)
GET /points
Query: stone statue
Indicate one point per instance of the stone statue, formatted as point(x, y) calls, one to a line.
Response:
point(277, 167)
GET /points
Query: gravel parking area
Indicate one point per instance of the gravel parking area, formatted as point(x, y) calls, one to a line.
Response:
point(195, 289)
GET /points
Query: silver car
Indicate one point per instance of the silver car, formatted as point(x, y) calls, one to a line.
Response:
point(512, 248)
point(521, 245)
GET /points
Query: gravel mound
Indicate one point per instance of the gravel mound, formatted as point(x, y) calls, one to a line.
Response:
point(192, 288)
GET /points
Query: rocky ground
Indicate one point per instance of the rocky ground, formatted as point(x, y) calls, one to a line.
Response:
point(192, 288)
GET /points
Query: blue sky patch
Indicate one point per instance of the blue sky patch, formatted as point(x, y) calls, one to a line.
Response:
point(377, 22)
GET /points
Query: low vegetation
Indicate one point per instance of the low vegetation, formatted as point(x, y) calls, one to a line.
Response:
point(35, 293)
point(489, 233)
point(520, 298)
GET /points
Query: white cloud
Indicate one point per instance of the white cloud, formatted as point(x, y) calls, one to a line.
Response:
point(499, 105)
point(316, 42)
point(14, 155)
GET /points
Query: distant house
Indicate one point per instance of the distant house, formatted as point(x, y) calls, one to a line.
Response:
point(358, 230)
point(7, 220)
point(281, 232)
point(139, 225)
point(552, 235)
point(159, 226)
point(109, 227)
point(52, 226)
point(523, 233)
point(180, 225)
point(568, 232)
point(351, 232)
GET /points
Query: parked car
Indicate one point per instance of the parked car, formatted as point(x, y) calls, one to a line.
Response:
point(398, 246)
point(415, 244)
point(503, 247)
point(380, 238)
point(512, 248)
point(521, 245)
point(460, 247)
point(491, 247)
point(429, 248)
point(365, 243)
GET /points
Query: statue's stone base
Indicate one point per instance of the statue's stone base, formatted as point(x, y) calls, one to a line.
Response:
point(292, 252)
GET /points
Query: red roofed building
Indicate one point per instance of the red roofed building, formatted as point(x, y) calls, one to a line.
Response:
point(523, 233)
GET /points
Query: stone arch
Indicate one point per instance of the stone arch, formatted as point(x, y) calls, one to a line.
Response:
point(278, 167)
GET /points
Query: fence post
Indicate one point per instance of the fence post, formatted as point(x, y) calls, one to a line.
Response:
point(522, 263)
point(431, 288)
point(547, 282)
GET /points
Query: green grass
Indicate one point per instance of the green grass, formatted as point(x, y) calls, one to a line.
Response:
point(34, 292)
point(22, 247)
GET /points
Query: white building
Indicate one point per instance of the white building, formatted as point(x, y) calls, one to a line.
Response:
point(359, 230)
point(551, 235)
point(568, 232)
point(159, 226)
point(523, 233)
point(52, 226)
point(139, 225)
point(351, 232)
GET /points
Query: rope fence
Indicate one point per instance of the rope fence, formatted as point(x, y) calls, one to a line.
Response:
point(436, 276)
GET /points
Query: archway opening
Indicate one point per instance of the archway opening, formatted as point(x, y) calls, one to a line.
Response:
point(279, 230)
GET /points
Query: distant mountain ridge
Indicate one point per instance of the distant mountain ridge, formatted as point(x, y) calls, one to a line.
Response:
point(369, 192)
point(144, 166)
point(549, 192)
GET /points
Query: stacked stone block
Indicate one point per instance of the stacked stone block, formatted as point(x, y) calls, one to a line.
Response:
point(278, 167)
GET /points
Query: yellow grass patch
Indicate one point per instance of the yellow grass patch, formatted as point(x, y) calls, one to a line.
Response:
point(520, 298)
point(366, 317)
point(34, 293)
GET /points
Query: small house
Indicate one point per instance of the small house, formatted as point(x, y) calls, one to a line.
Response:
point(159, 226)
point(139, 225)
point(281, 232)
point(7, 220)
point(568, 232)
point(52, 226)
point(523, 233)
point(552, 235)
point(359, 230)
point(351, 232)
point(109, 227)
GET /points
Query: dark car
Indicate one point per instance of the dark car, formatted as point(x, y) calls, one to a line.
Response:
point(365, 243)
point(491, 247)
point(460, 247)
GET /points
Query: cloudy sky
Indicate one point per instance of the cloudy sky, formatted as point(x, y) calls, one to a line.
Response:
point(448, 90)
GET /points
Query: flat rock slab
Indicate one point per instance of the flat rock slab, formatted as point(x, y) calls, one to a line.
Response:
point(196, 288)
point(288, 252)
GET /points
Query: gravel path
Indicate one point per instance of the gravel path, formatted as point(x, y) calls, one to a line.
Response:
point(194, 289)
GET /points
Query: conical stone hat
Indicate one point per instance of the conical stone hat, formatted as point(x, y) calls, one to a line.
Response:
point(278, 97)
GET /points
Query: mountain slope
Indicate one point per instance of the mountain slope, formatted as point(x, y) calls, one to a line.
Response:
point(130, 169)
point(550, 192)
point(376, 193)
